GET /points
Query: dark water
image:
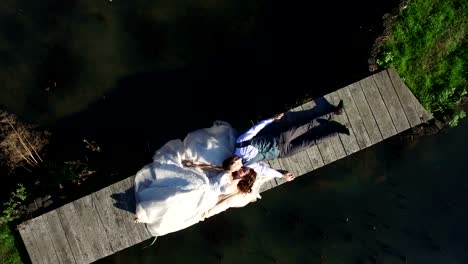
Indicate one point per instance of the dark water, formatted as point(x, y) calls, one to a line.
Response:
point(59, 57)
point(131, 75)
point(143, 60)
point(398, 201)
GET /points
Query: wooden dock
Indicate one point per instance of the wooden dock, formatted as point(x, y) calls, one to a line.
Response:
point(92, 227)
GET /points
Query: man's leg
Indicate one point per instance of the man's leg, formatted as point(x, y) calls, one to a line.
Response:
point(292, 133)
point(332, 111)
point(298, 130)
point(300, 118)
point(314, 136)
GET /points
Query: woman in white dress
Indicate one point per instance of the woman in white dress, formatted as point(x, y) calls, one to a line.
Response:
point(171, 196)
point(227, 183)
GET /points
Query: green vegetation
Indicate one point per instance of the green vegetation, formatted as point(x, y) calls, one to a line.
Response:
point(8, 252)
point(10, 208)
point(428, 47)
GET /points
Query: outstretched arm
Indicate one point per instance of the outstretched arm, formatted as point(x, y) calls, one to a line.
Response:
point(264, 169)
point(253, 131)
point(234, 200)
point(203, 166)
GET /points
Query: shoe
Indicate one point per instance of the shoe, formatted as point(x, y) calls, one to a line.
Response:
point(339, 108)
point(343, 130)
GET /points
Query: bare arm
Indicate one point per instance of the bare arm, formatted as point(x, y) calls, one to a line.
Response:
point(203, 166)
point(263, 168)
point(229, 201)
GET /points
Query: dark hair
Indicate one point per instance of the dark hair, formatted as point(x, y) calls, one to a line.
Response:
point(227, 163)
point(245, 184)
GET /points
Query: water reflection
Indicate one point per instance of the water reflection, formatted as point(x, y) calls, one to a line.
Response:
point(393, 203)
point(60, 57)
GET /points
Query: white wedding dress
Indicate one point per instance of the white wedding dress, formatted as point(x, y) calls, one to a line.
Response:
point(170, 197)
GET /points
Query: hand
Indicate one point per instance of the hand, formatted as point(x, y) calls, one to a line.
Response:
point(278, 116)
point(188, 163)
point(289, 176)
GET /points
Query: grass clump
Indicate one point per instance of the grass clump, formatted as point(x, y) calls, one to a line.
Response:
point(8, 252)
point(428, 46)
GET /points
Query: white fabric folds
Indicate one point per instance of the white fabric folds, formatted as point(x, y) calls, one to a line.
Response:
point(170, 197)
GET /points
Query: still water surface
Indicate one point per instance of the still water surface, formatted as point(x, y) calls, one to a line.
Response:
point(395, 202)
point(133, 74)
point(137, 59)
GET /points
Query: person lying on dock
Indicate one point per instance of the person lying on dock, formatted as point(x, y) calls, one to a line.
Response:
point(226, 184)
point(171, 196)
point(251, 150)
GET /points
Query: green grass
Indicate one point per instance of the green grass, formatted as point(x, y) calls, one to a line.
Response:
point(8, 252)
point(428, 47)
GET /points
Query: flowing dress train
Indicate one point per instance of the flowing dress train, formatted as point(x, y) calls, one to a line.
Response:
point(171, 197)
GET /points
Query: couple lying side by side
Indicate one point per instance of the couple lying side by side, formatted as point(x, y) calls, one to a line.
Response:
point(251, 149)
point(212, 170)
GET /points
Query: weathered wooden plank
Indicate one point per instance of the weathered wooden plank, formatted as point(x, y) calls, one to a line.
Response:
point(44, 241)
point(93, 227)
point(325, 146)
point(300, 162)
point(287, 165)
point(404, 94)
point(74, 234)
point(84, 230)
point(326, 150)
point(137, 231)
point(426, 115)
point(409, 101)
point(349, 142)
point(366, 113)
point(114, 224)
point(144, 232)
point(336, 140)
point(60, 241)
point(313, 152)
point(377, 105)
point(30, 242)
point(423, 113)
point(354, 118)
point(272, 183)
point(277, 165)
point(385, 86)
point(267, 185)
point(274, 164)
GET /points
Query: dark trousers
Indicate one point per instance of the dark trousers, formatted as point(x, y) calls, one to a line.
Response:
point(299, 138)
